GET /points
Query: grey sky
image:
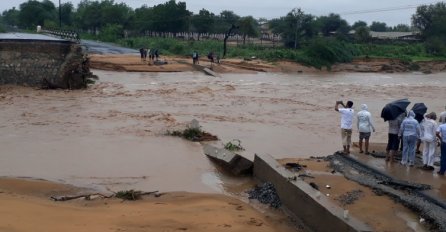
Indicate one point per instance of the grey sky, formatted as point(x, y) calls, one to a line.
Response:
point(276, 8)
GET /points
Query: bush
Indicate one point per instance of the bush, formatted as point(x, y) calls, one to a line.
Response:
point(111, 33)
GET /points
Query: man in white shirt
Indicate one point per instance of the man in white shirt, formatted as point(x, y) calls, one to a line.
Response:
point(365, 127)
point(428, 131)
point(443, 117)
point(347, 114)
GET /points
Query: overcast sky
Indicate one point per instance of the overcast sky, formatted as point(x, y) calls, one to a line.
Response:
point(276, 8)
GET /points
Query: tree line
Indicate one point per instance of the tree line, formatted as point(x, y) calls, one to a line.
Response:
point(118, 20)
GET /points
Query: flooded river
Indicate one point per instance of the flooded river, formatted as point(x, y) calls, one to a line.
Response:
point(111, 136)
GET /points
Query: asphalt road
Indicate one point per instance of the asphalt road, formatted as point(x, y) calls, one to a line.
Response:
point(94, 47)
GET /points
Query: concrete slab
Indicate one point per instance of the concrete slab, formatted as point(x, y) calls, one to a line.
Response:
point(235, 163)
point(210, 72)
point(306, 203)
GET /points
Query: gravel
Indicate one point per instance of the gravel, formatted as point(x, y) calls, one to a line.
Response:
point(265, 194)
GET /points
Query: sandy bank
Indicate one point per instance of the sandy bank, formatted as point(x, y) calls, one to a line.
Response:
point(132, 63)
point(26, 207)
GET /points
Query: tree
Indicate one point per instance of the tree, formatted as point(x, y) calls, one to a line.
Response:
point(358, 24)
point(401, 28)
point(248, 27)
point(67, 13)
point(203, 22)
point(170, 17)
point(431, 21)
point(224, 21)
point(333, 23)
point(11, 17)
point(378, 26)
point(33, 13)
point(362, 34)
point(296, 27)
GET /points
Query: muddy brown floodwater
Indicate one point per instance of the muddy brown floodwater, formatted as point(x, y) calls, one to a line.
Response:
point(110, 136)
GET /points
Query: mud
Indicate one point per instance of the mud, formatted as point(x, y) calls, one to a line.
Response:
point(435, 214)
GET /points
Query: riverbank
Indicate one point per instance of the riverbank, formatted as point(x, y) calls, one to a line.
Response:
point(26, 207)
point(133, 63)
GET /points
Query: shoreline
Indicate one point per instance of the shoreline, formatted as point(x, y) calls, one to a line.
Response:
point(133, 63)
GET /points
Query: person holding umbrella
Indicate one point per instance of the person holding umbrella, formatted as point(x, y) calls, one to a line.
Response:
point(410, 131)
point(420, 110)
point(429, 128)
point(394, 112)
point(347, 114)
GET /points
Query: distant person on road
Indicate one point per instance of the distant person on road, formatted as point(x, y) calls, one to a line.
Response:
point(410, 132)
point(393, 141)
point(441, 134)
point(157, 55)
point(151, 55)
point(428, 131)
point(141, 51)
point(365, 127)
point(211, 57)
point(347, 114)
point(443, 117)
point(145, 54)
point(195, 57)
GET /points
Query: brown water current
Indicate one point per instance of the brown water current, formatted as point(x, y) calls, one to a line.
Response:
point(112, 134)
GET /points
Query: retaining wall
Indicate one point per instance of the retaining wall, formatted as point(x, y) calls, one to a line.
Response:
point(53, 64)
point(306, 203)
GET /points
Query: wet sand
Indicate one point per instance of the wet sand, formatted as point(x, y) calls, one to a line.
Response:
point(25, 207)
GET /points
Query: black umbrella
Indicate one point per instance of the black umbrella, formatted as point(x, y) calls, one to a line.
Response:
point(393, 109)
point(419, 109)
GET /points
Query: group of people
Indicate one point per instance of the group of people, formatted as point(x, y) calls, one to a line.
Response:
point(211, 57)
point(153, 54)
point(404, 129)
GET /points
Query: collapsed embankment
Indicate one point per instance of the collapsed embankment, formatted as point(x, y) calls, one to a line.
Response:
point(43, 63)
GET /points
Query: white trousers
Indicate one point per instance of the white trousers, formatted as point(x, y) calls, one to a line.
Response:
point(428, 153)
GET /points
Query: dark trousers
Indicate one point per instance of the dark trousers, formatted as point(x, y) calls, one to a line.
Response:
point(443, 158)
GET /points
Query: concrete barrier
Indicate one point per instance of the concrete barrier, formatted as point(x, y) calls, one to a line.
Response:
point(235, 163)
point(306, 203)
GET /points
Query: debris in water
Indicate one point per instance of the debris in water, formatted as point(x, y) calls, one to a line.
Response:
point(349, 198)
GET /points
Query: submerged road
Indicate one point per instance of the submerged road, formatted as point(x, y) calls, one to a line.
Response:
point(94, 47)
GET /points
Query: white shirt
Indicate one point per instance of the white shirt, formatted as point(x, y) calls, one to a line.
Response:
point(428, 130)
point(364, 122)
point(443, 117)
point(346, 118)
point(442, 130)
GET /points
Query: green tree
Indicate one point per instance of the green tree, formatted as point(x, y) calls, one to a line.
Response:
point(88, 16)
point(401, 28)
point(11, 17)
point(33, 13)
point(294, 28)
point(67, 14)
point(358, 24)
point(333, 23)
point(248, 26)
point(224, 21)
point(170, 17)
point(378, 26)
point(203, 22)
point(431, 21)
point(362, 34)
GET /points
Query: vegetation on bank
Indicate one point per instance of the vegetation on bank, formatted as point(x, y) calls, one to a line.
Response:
point(312, 40)
point(321, 52)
